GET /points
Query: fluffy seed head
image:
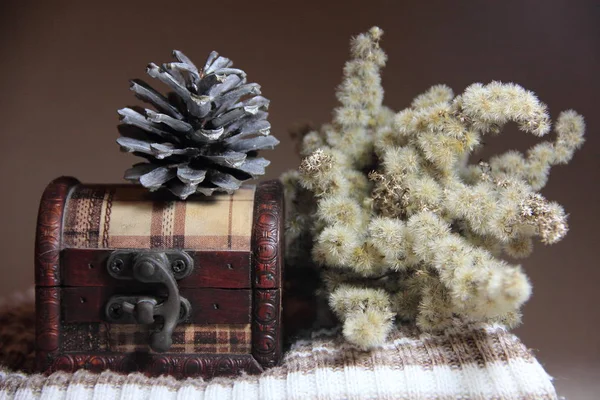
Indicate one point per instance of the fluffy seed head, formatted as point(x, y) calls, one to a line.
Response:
point(335, 244)
point(387, 235)
point(368, 329)
point(435, 95)
point(339, 210)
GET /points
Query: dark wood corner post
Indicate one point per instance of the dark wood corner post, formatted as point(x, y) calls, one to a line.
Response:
point(267, 259)
point(47, 271)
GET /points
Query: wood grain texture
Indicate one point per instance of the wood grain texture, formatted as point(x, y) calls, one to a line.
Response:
point(47, 272)
point(267, 268)
point(267, 236)
point(49, 231)
point(266, 327)
point(47, 327)
point(209, 306)
point(177, 365)
point(212, 269)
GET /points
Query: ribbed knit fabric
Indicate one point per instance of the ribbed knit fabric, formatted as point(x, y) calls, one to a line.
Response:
point(465, 362)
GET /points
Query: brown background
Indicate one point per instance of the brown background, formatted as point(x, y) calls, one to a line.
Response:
point(65, 67)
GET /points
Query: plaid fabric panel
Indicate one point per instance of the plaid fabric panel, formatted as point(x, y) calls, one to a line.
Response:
point(214, 339)
point(131, 217)
point(86, 211)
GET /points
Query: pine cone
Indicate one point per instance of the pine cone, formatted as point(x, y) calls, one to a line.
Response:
point(204, 135)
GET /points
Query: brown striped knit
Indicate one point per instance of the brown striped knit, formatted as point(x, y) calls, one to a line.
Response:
point(464, 362)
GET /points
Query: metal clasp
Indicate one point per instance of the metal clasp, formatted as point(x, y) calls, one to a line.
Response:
point(147, 266)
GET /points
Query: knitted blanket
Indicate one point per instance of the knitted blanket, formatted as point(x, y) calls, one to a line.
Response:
point(466, 362)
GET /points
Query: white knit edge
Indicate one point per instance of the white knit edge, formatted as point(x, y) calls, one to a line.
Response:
point(516, 379)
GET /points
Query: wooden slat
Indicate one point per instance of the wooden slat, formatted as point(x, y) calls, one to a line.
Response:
point(266, 327)
point(268, 235)
point(49, 231)
point(212, 269)
point(209, 306)
point(178, 365)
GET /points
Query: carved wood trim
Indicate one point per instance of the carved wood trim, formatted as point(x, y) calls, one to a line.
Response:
point(179, 366)
point(267, 237)
point(47, 325)
point(266, 327)
point(49, 231)
point(47, 270)
point(267, 268)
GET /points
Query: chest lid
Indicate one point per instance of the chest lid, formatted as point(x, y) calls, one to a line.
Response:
point(130, 217)
point(235, 239)
point(215, 231)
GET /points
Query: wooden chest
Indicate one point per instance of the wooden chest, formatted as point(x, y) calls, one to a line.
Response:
point(130, 280)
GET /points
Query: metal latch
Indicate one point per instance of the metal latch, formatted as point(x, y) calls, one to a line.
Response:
point(147, 266)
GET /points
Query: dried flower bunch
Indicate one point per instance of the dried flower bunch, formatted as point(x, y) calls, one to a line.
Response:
point(402, 226)
point(204, 135)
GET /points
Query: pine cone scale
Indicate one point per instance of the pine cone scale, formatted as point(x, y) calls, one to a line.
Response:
point(154, 179)
point(215, 62)
point(230, 159)
point(131, 145)
point(173, 123)
point(190, 176)
point(134, 118)
point(224, 180)
point(254, 166)
point(203, 136)
point(165, 77)
point(261, 127)
point(254, 143)
point(136, 172)
point(227, 118)
point(149, 95)
point(229, 82)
